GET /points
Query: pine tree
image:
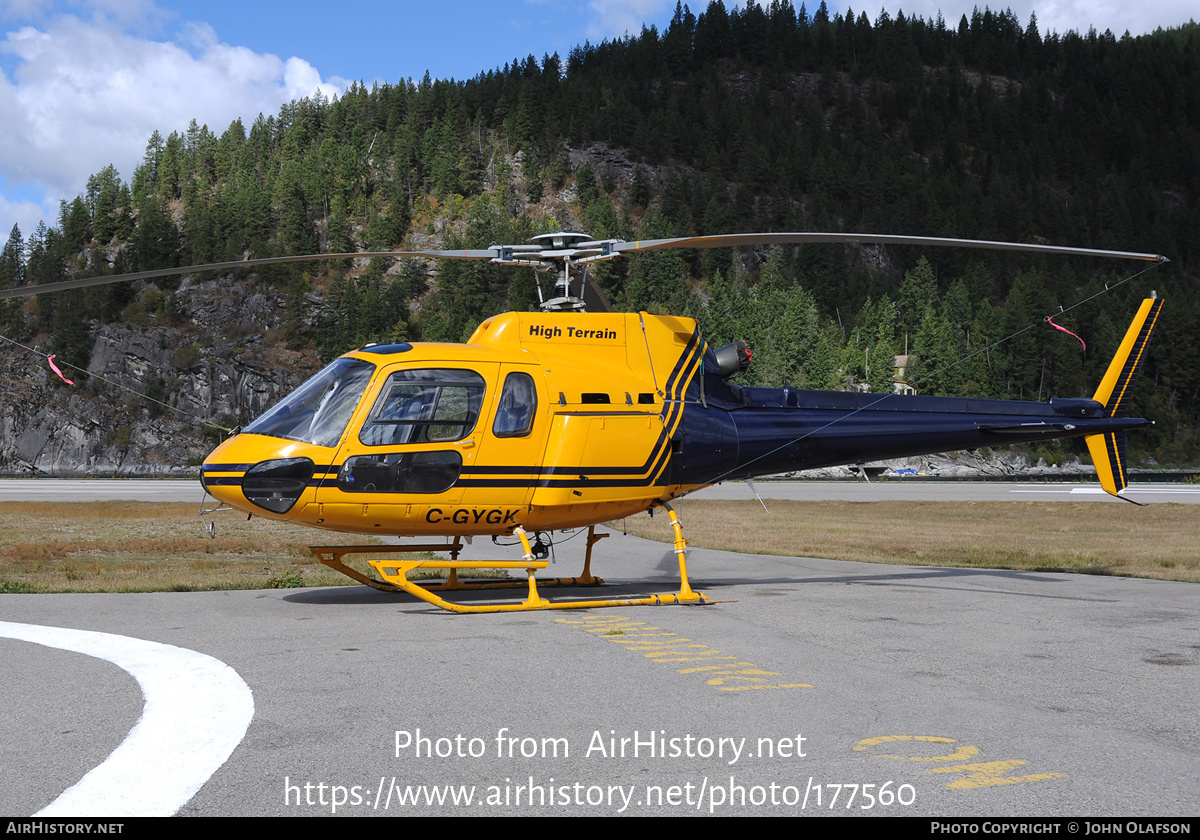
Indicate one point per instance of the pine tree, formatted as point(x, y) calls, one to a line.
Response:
point(12, 261)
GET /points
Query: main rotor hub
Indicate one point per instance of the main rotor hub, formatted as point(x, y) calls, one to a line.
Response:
point(567, 254)
point(561, 240)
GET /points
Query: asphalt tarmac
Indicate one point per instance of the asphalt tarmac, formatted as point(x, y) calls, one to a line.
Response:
point(816, 686)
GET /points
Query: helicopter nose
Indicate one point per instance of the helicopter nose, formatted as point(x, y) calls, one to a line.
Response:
point(224, 482)
point(274, 485)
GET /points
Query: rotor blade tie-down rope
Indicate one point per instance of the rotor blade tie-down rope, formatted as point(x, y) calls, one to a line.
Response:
point(50, 358)
point(54, 368)
point(1050, 321)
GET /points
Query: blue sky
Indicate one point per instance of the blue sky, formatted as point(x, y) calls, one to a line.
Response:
point(83, 83)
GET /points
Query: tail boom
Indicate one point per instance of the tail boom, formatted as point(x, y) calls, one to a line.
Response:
point(731, 432)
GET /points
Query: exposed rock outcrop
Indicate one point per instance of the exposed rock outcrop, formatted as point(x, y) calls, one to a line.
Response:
point(977, 463)
point(151, 387)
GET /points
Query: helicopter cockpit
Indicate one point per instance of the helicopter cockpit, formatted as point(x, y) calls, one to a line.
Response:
point(395, 429)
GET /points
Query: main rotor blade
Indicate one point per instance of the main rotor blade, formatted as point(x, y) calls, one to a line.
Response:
point(723, 241)
point(735, 239)
point(84, 282)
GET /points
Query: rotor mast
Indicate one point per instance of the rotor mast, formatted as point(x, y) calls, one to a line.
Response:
point(565, 253)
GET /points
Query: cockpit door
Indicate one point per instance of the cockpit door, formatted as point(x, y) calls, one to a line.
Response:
point(409, 448)
point(510, 442)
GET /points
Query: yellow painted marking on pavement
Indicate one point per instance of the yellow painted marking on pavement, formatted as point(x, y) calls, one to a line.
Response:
point(886, 739)
point(974, 782)
point(750, 672)
point(609, 625)
point(712, 668)
point(755, 687)
point(724, 673)
point(636, 645)
point(643, 635)
point(963, 752)
point(724, 681)
point(990, 774)
point(975, 775)
point(992, 767)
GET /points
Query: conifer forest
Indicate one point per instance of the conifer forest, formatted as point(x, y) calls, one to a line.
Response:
point(730, 120)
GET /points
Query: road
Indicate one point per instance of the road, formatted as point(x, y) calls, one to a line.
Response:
point(918, 691)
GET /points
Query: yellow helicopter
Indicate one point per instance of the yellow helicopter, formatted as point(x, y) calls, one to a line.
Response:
point(564, 418)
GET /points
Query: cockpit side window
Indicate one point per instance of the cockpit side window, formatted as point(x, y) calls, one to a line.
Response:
point(424, 406)
point(518, 404)
point(400, 472)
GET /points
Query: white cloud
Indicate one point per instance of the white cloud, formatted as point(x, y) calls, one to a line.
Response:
point(615, 18)
point(1135, 18)
point(84, 94)
point(1058, 16)
point(21, 9)
point(25, 214)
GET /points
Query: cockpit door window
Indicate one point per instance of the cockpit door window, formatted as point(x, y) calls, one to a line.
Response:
point(424, 406)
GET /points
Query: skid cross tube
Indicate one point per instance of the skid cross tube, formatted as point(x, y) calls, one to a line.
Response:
point(394, 575)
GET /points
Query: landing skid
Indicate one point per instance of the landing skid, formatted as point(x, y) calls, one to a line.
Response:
point(394, 575)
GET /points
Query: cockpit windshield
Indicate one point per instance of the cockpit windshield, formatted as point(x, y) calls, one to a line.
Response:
point(317, 412)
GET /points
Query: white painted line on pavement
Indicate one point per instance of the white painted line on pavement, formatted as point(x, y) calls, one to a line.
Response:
point(197, 710)
point(1097, 491)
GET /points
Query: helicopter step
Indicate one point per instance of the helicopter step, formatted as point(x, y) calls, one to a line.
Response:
point(394, 573)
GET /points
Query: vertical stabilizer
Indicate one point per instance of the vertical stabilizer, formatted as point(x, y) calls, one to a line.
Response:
point(1108, 454)
point(1108, 450)
point(1118, 381)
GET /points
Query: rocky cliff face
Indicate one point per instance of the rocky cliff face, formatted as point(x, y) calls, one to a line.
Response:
point(152, 385)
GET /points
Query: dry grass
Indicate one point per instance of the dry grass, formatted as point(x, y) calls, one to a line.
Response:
point(151, 547)
point(154, 547)
point(1161, 541)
